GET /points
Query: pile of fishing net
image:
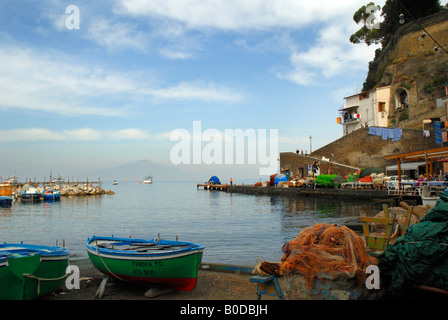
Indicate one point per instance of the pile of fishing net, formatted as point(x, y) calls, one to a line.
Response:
point(327, 249)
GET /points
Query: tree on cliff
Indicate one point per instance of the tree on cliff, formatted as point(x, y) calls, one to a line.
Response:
point(368, 32)
point(382, 32)
point(411, 9)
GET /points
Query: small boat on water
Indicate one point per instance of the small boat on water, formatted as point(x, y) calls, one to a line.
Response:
point(148, 180)
point(170, 264)
point(59, 179)
point(30, 193)
point(29, 271)
point(115, 182)
point(12, 179)
point(51, 195)
point(6, 196)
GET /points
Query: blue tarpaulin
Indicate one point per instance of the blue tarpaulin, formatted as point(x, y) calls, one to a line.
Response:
point(279, 178)
point(214, 180)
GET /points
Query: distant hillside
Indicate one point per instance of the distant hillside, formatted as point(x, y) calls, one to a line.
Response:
point(138, 170)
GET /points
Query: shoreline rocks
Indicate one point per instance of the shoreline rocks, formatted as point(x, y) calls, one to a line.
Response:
point(71, 190)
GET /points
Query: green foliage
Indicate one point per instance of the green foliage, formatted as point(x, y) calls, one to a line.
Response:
point(428, 87)
point(404, 115)
point(411, 9)
point(406, 85)
point(365, 34)
point(438, 81)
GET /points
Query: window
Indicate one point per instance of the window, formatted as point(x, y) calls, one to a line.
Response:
point(381, 106)
point(364, 95)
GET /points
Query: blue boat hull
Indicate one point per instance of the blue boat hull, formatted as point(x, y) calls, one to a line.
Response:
point(52, 196)
point(5, 200)
point(31, 196)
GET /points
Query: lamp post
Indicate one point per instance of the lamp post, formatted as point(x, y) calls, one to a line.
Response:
point(311, 150)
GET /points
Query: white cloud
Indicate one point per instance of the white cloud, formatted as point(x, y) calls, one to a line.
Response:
point(81, 134)
point(329, 56)
point(197, 90)
point(239, 15)
point(332, 55)
point(129, 134)
point(54, 83)
point(115, 36)
point(31, 134)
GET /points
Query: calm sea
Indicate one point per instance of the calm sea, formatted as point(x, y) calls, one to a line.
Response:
point(234, 228)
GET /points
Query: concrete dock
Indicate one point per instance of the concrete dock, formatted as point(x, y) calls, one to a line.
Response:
point(342, 193)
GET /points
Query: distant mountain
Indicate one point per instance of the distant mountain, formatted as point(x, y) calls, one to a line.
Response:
point(138, 170)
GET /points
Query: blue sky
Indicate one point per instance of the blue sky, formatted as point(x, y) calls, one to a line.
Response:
point(112, 91)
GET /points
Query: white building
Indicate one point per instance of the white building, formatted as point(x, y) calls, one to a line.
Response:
point(366, 108)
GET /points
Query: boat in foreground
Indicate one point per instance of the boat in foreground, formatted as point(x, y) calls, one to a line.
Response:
point(170, 264)
point(29, 271)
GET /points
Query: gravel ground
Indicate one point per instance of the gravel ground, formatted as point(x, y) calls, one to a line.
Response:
point(211, 286)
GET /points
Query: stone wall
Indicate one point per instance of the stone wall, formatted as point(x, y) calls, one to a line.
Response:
point(358, 149)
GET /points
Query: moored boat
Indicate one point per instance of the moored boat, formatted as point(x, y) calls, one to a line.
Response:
point(170, 264)
point(147, 180)
point(51, 195)
point(29, 271)
point(30, 194)
point(6, 196)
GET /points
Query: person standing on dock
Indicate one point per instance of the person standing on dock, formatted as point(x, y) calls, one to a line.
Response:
point(231, 181)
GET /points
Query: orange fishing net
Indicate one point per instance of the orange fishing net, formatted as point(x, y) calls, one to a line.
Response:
point(326, 249)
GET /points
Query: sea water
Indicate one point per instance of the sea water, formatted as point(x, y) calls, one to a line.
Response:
point(234, 228)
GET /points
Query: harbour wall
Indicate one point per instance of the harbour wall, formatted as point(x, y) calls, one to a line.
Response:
point(350, 194)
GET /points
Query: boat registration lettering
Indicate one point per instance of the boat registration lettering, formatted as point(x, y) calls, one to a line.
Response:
point(147, 268)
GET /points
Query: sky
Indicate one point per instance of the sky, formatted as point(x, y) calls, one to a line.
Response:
point(87, 85)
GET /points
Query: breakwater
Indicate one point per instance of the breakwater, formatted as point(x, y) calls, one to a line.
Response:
point(64, 188)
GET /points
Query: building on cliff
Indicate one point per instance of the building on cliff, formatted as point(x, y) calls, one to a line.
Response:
point(370, 108)
point(411, 95)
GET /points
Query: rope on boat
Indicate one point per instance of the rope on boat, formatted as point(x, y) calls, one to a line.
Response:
point(42, 279)
point(29, 275)
point(101, 258)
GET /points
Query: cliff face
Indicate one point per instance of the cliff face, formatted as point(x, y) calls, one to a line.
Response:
point(417, 75)
point(415, 68)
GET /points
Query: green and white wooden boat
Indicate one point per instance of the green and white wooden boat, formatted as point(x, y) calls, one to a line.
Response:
point(169, 264)
point(30, 271)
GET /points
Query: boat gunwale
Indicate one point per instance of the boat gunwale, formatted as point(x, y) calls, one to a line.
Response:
point(46, 252)
point(191, 248)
